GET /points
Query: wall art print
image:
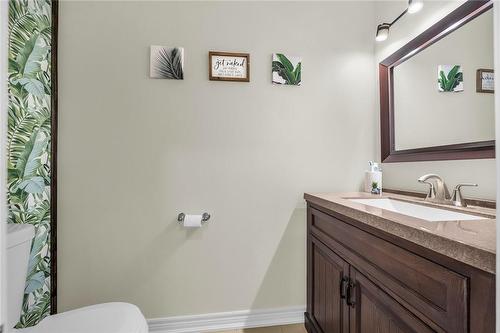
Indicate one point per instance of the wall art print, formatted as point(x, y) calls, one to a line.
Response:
point(228, 66)
point(287, 69)
point(29, 144)
point(485, 81)
point(166, 62)
point(450, 78)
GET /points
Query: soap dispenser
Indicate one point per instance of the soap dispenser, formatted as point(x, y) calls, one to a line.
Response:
point(373, 178)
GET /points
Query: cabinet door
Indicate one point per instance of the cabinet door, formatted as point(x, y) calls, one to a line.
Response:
point(374, 311)
point(328, 275)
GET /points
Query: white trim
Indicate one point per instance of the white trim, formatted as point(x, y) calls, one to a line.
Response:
point(227, 320)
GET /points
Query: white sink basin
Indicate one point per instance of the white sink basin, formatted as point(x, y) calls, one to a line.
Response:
point(418, 211)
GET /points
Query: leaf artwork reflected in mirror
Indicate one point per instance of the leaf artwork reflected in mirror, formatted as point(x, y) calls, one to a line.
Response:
point(167, 63)
point(450, 78)
point(287, 70)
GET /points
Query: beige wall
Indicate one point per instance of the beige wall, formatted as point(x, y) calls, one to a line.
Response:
point(134, 152)
point(404, 175)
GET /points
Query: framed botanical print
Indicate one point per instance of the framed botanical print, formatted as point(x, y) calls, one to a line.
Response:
point(450, 78)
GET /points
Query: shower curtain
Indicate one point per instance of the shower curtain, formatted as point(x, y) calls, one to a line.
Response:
point(29, 141)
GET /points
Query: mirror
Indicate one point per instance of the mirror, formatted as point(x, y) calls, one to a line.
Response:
point(428, 110)
point(437, 99)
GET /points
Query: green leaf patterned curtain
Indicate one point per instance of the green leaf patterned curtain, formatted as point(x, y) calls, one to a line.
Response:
point(28, 143)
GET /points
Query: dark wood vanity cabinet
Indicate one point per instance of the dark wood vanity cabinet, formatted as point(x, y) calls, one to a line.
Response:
point(362, 280)
point(331, 276)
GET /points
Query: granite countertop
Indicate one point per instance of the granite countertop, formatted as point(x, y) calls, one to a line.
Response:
point(470, 241)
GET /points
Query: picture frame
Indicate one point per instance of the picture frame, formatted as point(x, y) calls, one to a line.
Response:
point(286, 69)
point(450, 78)
point(166, 62)
point(485, 82)
point(228, 66)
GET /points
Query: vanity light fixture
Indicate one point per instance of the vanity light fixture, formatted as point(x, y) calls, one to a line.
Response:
point(383, 28)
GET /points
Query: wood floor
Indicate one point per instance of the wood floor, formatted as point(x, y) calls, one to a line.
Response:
point(298, 328)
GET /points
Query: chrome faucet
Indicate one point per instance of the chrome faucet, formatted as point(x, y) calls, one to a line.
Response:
point(438, 191)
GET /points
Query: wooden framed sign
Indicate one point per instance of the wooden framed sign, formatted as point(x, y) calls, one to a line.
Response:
point(485, 81)
point(226, 66)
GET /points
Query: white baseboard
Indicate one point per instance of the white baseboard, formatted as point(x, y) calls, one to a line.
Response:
point(224, 321)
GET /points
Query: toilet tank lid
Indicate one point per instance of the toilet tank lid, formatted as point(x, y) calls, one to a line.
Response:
point(18, 233)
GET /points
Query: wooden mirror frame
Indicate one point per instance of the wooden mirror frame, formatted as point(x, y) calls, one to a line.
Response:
point(471, 150)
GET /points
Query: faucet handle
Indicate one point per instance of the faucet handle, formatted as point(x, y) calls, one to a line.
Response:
point(457, 198)
point(465, 184)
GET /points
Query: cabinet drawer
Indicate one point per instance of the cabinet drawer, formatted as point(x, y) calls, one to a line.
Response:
point(421, 285)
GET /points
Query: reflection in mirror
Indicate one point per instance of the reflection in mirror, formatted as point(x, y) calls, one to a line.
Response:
point(436, 101)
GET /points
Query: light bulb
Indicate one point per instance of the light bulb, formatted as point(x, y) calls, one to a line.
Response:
point(415, 6)
point(382, 32)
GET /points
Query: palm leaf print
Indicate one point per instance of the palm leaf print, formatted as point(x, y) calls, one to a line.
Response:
point(168, 63)
point(283, 67)
point(452, 80)
point(28, 143)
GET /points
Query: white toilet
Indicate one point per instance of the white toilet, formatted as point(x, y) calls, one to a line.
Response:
point(100, 318)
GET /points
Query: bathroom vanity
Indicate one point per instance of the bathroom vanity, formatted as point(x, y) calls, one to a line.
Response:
point(388, 266)
point(398, 263)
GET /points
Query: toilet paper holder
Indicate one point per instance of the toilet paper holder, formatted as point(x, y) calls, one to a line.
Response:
point(204, 217)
